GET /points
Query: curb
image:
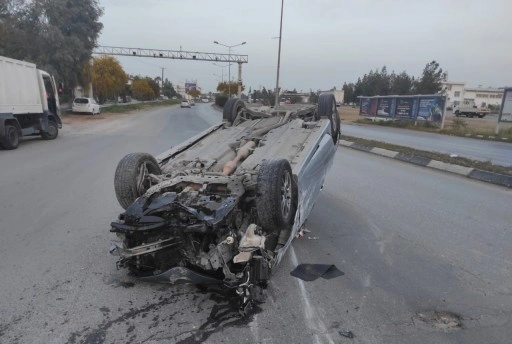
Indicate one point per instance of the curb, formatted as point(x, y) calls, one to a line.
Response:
point(469, 172)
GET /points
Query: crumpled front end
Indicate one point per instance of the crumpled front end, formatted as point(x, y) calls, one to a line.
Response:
point(193, 233)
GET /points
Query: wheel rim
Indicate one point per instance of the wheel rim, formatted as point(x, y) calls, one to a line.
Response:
point(52, 130)
point(141, 177)
point(12, 137)
point(286, 195)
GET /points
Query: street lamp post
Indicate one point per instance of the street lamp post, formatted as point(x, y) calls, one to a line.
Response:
point(218, 65)
point(229, 62)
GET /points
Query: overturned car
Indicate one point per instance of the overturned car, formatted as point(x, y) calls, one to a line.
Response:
point(223, 207)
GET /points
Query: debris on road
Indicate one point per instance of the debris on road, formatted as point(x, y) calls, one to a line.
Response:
point(311, 272)
point(347, 334)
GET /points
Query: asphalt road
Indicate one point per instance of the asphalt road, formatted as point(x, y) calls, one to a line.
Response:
point(411, 241)
point(497, 152)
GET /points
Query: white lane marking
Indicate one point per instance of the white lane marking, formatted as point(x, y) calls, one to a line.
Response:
point(313, 321)
point(254, 326)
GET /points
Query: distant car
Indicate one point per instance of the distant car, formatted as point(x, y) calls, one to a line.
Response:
point(185, 103)
point(87, 105)
point(205, 100)
point(192, 102)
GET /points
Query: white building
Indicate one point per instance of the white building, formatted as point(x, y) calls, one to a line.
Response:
point(457, 92)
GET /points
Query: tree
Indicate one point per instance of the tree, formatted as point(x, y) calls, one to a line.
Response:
point(141, 90)
point(108, 78)
point(349, 92)
point(430, 81)
point(168, 90)
point(57, 35)
point(194, 93)
point(154, 86)
point(225, 87)
point(401, 84)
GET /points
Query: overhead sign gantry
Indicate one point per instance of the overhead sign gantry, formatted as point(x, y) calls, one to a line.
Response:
point(177, 55)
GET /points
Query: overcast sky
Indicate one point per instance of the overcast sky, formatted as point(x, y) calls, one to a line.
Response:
point(325, 42)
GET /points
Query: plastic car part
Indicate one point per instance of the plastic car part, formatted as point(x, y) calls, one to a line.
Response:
point(130, 179)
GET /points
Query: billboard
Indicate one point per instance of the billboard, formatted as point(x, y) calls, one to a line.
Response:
point(406, 108)
point(190, 86)
point(368, 106)
point(431, 108)
point(386, 107)
point(419, 107)
point(506, 106)
point(364, 107)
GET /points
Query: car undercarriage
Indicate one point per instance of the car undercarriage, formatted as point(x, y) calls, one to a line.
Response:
point(222, 207)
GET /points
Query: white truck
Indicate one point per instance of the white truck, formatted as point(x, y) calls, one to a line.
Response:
point(29, 103)
point(469, 109)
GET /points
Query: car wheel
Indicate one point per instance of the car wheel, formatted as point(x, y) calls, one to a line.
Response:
point(276, 200)
point(130, 180)
point(52, 133)
point(231, 109)
point(327, 108)
point(11, 139)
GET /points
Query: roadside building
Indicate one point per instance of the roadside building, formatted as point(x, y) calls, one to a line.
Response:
point(457, 92)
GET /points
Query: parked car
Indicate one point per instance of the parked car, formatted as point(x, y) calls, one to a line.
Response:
point(223, 207)
point(87, 105)
point(185, 103)
point(192, 102)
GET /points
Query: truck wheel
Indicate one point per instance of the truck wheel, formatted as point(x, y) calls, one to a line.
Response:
point(480, 116)
point(327, 107)
point(130, 180)
point(232, 109)
point(52, 133)
point(11, 139)
point(276, 200)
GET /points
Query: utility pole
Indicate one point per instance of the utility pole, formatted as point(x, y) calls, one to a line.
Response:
point(276, 106)
point(162, 88)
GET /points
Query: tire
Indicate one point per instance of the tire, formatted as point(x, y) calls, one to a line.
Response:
point(276, 200)
point(129, 181)
point(327, 108)
point(53, 131)
point(480, 116)
point(12, 138)
point(231, 109)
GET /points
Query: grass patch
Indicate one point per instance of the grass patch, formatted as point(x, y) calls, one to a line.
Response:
point(404, 124)
point(481, 165)
point(457, 127)
point(116, 108)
